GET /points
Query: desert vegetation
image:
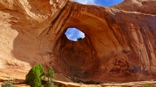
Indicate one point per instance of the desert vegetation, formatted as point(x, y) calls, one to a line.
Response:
point(37, 78)
point(7, 84)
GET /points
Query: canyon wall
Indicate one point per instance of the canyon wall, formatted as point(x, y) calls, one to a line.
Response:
point(119, 43)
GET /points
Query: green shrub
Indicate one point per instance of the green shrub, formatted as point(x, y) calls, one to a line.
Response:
point(33, 78)
point(50, 75)
point(147, 85)
point(7, 84)
point(49, 84)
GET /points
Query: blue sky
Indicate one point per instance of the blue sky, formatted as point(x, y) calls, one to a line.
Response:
point(73, 33)
point(104, 3)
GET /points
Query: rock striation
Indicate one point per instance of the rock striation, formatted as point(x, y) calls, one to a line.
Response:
point(119, 46)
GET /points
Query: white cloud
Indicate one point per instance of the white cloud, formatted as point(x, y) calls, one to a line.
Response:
point(85, 1)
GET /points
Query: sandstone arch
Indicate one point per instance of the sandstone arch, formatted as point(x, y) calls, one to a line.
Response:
point(119, 42)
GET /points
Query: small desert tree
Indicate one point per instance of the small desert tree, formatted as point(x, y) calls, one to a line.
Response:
point(80, 38)
point(33, 78)
point(50, 75)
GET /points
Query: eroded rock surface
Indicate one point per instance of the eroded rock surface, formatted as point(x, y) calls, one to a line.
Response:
point(119, 45)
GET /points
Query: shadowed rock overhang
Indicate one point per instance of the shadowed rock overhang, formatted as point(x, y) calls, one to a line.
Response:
point(119, 43)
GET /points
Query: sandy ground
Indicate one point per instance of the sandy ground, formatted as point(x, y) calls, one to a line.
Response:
point(71, 84)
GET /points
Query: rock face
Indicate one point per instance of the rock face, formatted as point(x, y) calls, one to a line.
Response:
point(119, 46)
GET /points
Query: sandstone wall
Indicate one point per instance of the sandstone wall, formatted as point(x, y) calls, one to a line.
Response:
point(119, 45)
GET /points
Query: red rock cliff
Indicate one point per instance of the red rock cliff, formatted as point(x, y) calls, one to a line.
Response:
point(119, 45)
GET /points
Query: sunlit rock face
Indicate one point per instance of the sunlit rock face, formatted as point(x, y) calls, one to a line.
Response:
point(119, 43)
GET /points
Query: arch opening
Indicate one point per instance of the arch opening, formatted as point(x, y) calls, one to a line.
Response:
point(74, 34)
point(105, 3)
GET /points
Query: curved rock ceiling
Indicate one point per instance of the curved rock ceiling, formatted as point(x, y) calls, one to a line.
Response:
point(119, 43)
